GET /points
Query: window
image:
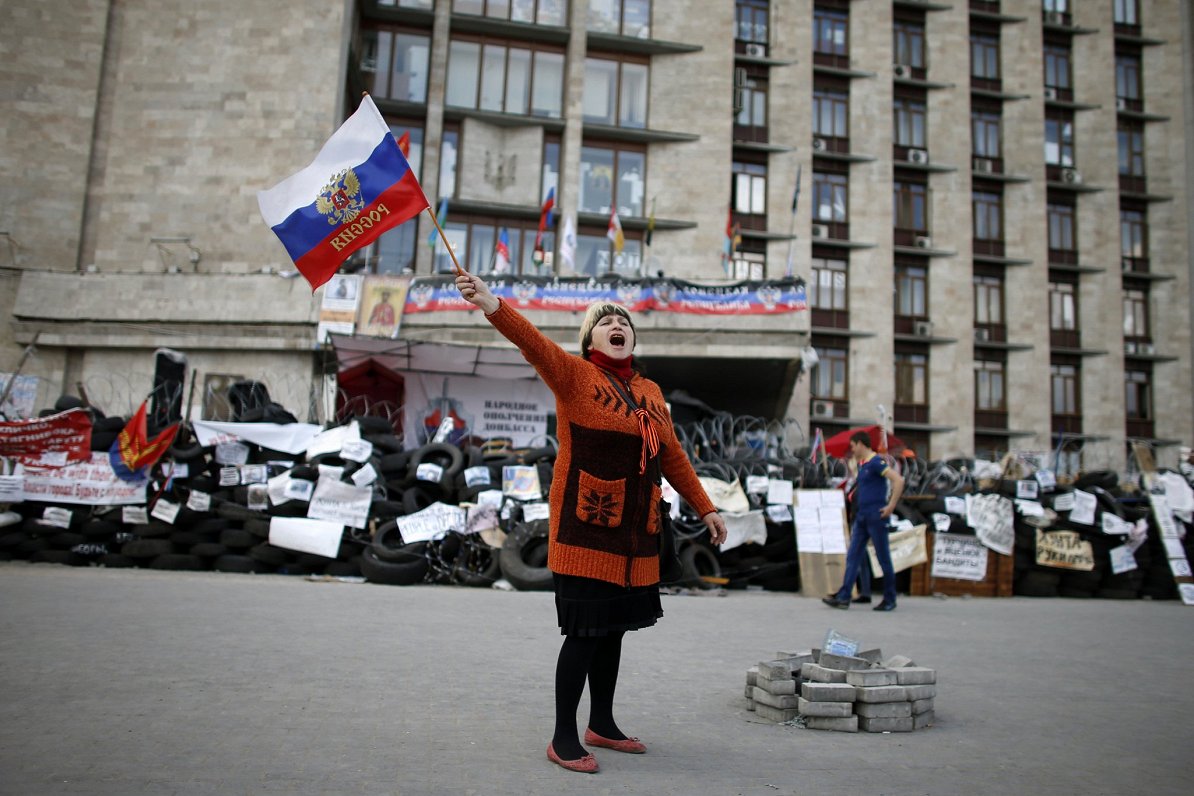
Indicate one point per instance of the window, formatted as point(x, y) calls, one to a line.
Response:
point(448, 151)
point(623, 17)
point(1138, 396)
point(911, 206)
point(474, 241)
point(989, 378)
point(750, 17)
point(749, 265)
point(831, 32)
point(831, 110)
point(908, 43)
point(615, 93)
point(985, 134)
point(542, 12)
point(1059, 141)
point(1065, 389)
point(1133, 239)
point(827, 288)
point(911, 291)
point(909, 122)
point(829, 376)
point(494, 77)
point(1061, 227)
point(984, 57)
point(753, 112)
point(1057, 67)
point(911, 379)
point(1131, 149)
point(595, 255)
point(988, 300)
point(609, 176)
point(750, 188)
point(988, 215)
point(551, 166)
point(426, 5)
point(1127, 78)
point(1063, 307)
point(1136, 313)
point(1057, 6)
point(829, 197)
point(397, 63)
point(1127, 12)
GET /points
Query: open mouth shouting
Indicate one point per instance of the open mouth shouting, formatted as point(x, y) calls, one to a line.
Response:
point(617, 340)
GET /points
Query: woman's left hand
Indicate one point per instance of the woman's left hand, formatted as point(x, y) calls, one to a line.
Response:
point(716, 526)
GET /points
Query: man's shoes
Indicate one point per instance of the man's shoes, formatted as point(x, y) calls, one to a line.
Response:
point(884, 606)
point(833, 602)
point(864, 599)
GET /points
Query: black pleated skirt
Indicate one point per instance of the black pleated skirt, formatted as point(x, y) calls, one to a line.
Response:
point(588, 607)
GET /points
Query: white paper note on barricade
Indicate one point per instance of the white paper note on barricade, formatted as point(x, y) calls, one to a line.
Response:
point(833, 499)
point(320, 537)
point(165, 511)
point(1063, 501)
point(1114, 525)
point(333, 440)
point(536, 511)
point(1173, 548)
point(1122, 559)
point(1186, 590)
point(779, 491)
point(808, 498)
point(777, 513)
point(941, 522)
point(808, 530)
point(356, 450)
point(1027, 490)
point(959, 557)
point(477, 475)
point(432, 522)
point(1180, 567)
point(955, 505)
point(364, 476)
point(1084, 507)
point(336, 501)
point(12, 488)
point(134, 515)
point(1030, 508)
point(199, 501)
point(756, 485)
point(992, 518)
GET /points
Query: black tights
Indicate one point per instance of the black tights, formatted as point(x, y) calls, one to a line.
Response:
point(595, 659)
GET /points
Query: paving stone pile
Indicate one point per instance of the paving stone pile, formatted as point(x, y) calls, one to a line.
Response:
point(846, 693)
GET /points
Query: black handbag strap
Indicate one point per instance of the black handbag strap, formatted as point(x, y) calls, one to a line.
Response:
point(621, 388)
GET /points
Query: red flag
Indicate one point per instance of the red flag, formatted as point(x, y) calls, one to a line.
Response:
point(133, 451)
point(545, 217)
point(404, 144)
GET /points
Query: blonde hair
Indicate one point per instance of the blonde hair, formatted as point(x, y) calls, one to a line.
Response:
point(596, 312)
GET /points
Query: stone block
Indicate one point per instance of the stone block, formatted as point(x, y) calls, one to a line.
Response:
point(884, 710)
point(775, 714)
point(898, 662)
point(782, 701)
point(916, 675)
point(916, 692)
point(921, 706)
point(885, 725)
point(845, 662)
point(875, 656)
point(779, 669)
point(825, 709)
point(817, 673)
point(922, 720)
point(752, 675)
point(828, 692)
point(805, 656)
point(750, 691)
point(871, 677)
point(883, 693)
point(778, 687)
point(843, 724)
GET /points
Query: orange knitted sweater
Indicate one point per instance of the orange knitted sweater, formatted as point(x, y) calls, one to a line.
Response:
point(604, 514)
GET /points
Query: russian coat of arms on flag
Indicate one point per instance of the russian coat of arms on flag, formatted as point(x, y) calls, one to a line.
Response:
point(359, 186)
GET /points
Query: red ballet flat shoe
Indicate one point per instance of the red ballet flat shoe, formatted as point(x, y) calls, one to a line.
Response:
point(585, 765)
point(630, 745)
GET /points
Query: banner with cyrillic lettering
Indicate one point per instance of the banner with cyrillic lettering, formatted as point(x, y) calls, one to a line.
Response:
point(439, 294)
point(48, 441)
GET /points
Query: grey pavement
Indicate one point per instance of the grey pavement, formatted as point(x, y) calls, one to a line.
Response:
point(142, 682)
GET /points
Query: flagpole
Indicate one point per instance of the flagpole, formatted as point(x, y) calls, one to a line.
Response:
point(789, 272)
point(444, 238)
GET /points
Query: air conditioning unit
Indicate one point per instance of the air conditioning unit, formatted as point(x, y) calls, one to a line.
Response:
point(820, 144)
point(923, 328)
point(822, 409)
point(918, 156)
point(820, 231)
point(756, 50)
point(1121, 104)
point(1148, 349)
point(901, 70)
point(984, 166)
point(1055, 17)
point(982, 335)
point(1071, 176)
point(1050, 93)
point(922, 242)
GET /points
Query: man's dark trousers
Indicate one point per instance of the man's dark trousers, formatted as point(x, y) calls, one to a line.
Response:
point(868, 525)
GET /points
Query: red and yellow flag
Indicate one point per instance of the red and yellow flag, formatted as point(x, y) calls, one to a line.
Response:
point(133, 452)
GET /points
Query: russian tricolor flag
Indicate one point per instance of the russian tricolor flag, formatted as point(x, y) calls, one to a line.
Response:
point(358, 187)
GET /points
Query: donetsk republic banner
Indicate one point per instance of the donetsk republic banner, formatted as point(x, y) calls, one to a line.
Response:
point(575, 294)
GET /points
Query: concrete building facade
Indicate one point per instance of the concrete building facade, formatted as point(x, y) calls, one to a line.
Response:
point(986, 198)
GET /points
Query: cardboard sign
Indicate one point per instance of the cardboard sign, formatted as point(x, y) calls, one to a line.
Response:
point(1064, 550)
point(958, 557)
point(907, 549)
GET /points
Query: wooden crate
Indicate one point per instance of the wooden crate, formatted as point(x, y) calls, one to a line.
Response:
point(996, 583)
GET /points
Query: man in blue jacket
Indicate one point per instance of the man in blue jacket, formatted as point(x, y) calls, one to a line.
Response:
point(870, 522)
